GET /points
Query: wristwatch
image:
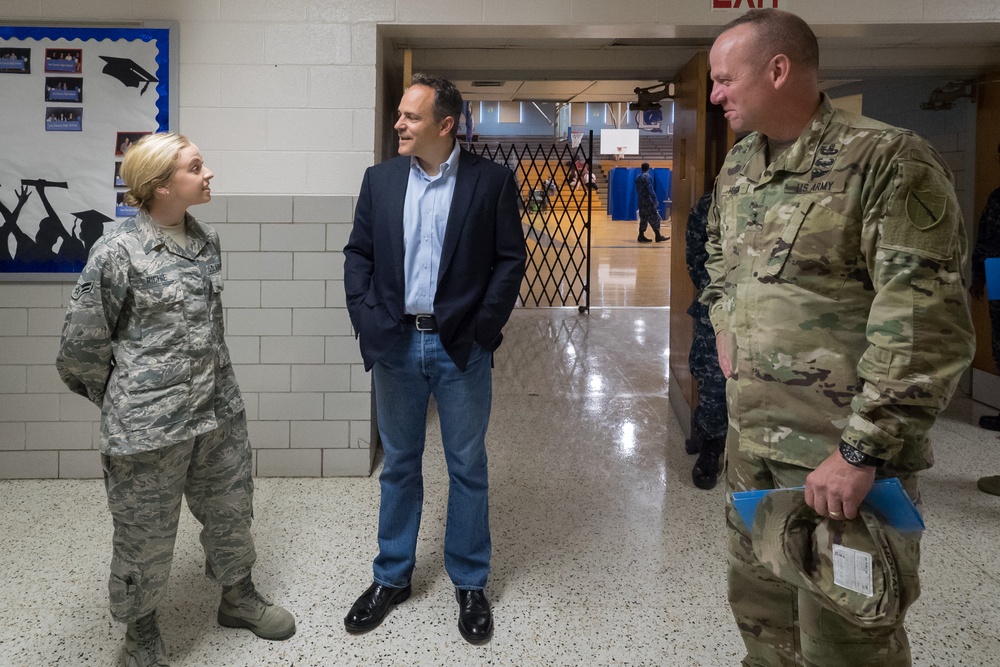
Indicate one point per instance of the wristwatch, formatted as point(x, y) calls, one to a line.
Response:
point(858, 458)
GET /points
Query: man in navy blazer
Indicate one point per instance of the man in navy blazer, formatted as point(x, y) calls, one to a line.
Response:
point(432, 271)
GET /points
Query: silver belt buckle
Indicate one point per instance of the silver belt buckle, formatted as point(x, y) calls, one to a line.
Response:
point(429, 327)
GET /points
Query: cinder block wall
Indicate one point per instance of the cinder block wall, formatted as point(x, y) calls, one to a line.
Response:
point(296, 359)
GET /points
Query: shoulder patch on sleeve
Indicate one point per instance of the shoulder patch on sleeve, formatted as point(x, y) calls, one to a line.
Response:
point(923, 212)
point(924, 208)
point(81, 289)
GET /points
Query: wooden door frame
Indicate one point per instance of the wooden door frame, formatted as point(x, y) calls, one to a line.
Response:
point(701, 140)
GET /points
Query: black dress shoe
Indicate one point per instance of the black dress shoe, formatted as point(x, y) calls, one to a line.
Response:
point(371, 608)
point(475, 620)
point(644, 239)
point(991, 423)
point(706, 469)
point(660, 238)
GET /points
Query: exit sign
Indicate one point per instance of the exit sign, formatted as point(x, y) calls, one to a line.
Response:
point(750, 4)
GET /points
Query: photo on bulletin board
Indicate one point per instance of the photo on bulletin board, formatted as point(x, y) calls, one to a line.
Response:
point(64, 119)
point(64, 89)
point(59, 174)
point(124, 141)
point(119, 183)
point(123, 210)
point(64, 60)
point(15, 61)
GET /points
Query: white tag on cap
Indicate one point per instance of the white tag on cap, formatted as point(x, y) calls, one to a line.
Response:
point(852, 569)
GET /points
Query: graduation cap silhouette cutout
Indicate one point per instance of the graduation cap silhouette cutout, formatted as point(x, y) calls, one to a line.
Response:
point(91, 228)
point(128, 72)
point(91, 216)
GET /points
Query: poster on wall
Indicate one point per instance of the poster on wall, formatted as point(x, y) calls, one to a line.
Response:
point(75, 99)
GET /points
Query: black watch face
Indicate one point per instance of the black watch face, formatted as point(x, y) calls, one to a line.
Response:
point(852, 455)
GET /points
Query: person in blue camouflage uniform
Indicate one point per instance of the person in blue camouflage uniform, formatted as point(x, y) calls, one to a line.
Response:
point(143, 340)
point(649, 215)
point(708, 420)
point(836, 254)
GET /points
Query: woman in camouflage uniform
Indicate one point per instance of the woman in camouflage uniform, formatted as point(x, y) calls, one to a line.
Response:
point(143, 340)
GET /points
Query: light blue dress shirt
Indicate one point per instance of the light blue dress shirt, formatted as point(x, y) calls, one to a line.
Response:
point(425, 217)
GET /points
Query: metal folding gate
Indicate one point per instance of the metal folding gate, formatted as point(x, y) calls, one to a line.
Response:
point(555, 214)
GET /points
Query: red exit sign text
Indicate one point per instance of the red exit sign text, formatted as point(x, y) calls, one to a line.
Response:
point(750, 4)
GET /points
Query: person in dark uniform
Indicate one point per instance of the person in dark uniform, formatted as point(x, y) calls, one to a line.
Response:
point(709, 420)
point(648, 213)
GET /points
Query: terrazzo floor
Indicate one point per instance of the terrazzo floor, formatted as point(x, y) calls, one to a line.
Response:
point(604, 552)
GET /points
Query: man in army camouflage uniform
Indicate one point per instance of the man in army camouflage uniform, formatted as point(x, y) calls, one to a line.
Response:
point(143, 340)
point(836, 248)
point(708, 420)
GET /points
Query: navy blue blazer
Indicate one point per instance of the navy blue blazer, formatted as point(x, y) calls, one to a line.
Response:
point(482, 259)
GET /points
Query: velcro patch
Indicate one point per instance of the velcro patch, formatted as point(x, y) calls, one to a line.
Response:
point(923, 215)
point(81, 289)
point(925, 208)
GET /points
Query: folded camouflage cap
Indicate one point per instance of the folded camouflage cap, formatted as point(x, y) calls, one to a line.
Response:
point(862, 569)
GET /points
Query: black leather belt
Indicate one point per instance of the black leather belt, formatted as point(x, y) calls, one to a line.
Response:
point(422, 323)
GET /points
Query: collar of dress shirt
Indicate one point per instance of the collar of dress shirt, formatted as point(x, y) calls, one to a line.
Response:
point(447, 167)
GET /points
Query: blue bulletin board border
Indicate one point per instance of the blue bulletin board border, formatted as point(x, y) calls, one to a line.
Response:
point(162, 35)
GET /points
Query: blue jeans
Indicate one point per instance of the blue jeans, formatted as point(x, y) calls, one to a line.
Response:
point(415, 368)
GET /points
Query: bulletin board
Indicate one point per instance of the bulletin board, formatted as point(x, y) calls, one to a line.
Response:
point(75, 99)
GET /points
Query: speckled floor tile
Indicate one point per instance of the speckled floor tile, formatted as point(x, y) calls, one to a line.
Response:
point(604, 552)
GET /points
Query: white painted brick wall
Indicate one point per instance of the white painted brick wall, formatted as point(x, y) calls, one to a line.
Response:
point(291, 350)
point(14, 322)
point(319, 265)
point(321, 378)
point(44, 379)
point(259, 321)
point(264, 377)
point(12, 435)
point(67, 434)
point(259, 265)
point(268, 434)
point(321, 321)
point(25, 350)
point(290, 463)
point(300, 405)
point(293, 293)
point(29, 407)
point(293, 237)
point(320, 434)
point(79, 464)
point(13, 379)
point(282, 317)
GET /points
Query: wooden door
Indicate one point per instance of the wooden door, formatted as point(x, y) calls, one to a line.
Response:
point(701, 140)
point(987, 180)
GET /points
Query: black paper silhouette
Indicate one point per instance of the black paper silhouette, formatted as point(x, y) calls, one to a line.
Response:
point(128, 72)
point(91, 228)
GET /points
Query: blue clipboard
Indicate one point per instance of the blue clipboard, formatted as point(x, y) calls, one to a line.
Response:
point(993, 278)
point(887, 498)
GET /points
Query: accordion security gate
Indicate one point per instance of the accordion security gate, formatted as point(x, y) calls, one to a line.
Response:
point(555, 203)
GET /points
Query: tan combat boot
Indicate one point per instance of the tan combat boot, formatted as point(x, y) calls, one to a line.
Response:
point(143, 644)
point(243, 607)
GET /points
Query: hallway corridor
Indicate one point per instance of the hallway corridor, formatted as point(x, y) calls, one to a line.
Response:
point(604, 552)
